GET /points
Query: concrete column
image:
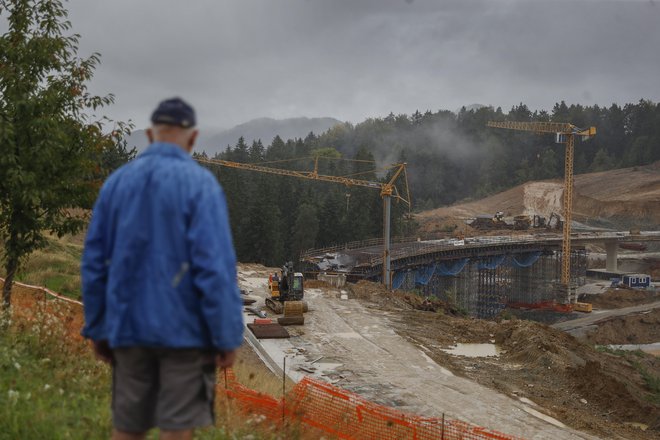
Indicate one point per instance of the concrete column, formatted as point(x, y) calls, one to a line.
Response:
point(611, 249)
point(387, 200)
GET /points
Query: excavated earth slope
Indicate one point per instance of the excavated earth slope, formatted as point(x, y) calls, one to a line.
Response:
point(618, 199)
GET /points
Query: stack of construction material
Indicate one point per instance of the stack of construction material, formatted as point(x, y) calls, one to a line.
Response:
point(267, 329)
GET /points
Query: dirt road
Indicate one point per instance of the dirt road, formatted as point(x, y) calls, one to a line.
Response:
point(577, 327)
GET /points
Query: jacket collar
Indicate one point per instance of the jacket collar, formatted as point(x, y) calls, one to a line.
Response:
point(166, 149)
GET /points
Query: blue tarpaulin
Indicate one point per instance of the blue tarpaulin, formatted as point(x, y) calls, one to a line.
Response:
point(526, 259)
point(423, 274)
point(491, 262)
point(451, 268)
point(398, 279)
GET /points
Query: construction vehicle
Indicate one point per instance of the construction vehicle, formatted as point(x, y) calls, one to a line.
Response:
point(490, 222)
point(286, 292)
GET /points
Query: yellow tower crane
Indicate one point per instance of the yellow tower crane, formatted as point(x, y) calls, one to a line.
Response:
point(388, 190)
point(565, 134)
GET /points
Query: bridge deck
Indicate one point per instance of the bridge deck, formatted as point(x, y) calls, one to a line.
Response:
point(370, 254)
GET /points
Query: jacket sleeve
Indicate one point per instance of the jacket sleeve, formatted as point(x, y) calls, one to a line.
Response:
point(213, 264)
point(94, 274)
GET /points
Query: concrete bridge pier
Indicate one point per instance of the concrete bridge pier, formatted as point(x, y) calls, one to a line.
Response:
point(611, 248)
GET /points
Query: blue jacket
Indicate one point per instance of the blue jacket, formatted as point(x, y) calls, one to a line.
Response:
point(159, 267)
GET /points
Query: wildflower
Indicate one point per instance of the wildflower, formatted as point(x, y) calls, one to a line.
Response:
point(17, 365)
point(46, 387)
point(13, 396)
point(256, 419)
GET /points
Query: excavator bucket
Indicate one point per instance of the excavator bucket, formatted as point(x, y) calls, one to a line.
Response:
point(293, 308)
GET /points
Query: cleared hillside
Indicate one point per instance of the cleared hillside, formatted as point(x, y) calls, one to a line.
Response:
point(623, 198)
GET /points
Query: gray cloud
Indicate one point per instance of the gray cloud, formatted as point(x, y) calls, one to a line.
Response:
point(240, 59)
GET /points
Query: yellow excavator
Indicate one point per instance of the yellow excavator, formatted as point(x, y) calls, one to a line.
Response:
point(286, 292)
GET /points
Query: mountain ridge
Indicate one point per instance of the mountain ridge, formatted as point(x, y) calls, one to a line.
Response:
point(213, 141)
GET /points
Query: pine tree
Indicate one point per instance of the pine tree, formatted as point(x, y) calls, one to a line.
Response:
point(305, 229)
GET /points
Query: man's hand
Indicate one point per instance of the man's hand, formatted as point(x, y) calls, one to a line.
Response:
point(103, 351)
point(225, 359)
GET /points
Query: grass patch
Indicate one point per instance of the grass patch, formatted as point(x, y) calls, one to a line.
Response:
point(57, 267)
point(635, 358)
point(652, 382)
point(49, 388)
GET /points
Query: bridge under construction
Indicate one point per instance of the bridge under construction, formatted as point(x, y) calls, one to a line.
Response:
point(480, 275)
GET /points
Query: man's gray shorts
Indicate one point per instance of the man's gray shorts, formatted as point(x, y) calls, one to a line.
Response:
point(172, 389)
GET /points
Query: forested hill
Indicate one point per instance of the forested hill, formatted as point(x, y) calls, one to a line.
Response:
point(450, 156)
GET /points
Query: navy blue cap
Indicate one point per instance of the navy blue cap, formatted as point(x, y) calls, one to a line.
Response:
point(174, 111)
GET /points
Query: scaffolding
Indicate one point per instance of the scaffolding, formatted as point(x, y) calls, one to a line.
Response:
point(486, 285)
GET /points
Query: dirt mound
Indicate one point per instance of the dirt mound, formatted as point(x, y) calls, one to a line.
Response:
point(617, 198)
point(317, 284)
point(449, 227)
point(399, 299)
point(619, 298)
point(582, 387)
point(538, 346)
point(375, 293)
point(632, 329)
point(609, 383)
point(613, 388)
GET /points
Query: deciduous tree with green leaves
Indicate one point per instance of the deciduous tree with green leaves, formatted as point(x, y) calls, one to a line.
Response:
point(53, 147)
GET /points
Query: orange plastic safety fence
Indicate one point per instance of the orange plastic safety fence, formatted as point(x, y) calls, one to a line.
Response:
point(543, 305)
point(247, 399)
point(346, 415)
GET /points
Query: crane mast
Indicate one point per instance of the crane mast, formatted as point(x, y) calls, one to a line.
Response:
point(388, 190)
point(565, 134)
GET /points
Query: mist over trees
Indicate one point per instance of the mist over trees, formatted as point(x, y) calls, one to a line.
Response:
point(450, 156)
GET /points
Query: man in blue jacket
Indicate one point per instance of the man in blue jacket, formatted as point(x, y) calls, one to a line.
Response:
point(159, 283)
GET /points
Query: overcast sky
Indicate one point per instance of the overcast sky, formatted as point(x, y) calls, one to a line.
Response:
point(236, 60)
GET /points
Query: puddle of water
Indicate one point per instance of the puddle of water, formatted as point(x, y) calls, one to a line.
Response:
point(473, 350)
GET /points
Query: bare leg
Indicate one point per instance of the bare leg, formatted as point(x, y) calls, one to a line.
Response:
point(176, 435)
point(121, 435)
